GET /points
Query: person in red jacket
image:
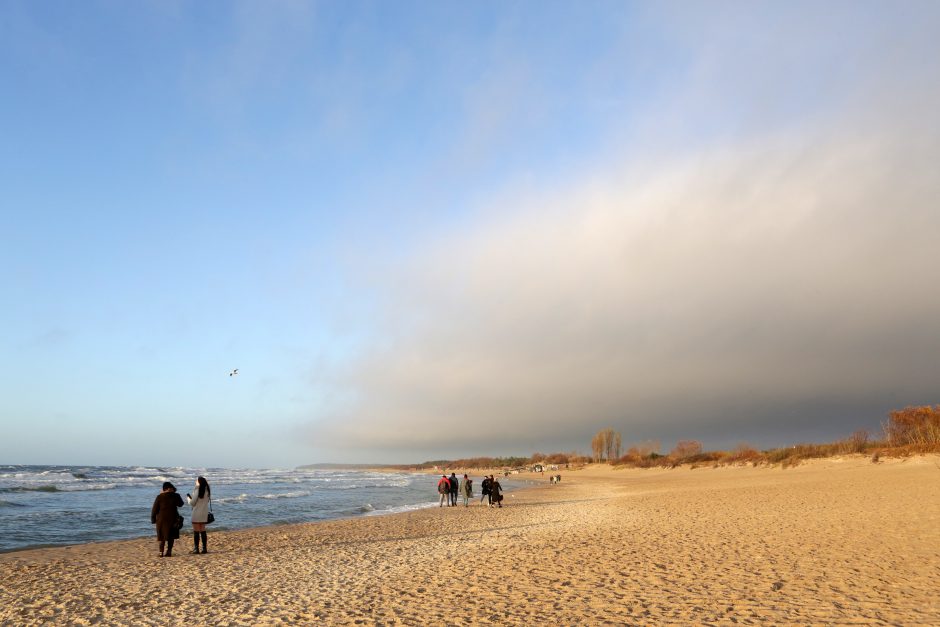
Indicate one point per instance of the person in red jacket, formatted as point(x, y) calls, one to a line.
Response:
point(443, 488)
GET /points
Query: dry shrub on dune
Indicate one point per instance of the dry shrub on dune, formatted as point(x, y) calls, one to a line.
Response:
point(914, 426)
point(744, 454)
point(855, 443)
point(685, 449)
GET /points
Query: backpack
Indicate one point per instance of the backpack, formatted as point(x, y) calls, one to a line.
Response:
point(443, 486)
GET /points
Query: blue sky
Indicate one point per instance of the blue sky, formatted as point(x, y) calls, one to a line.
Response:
point(524, 221)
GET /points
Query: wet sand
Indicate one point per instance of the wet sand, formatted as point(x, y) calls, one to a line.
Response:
point(831, 542)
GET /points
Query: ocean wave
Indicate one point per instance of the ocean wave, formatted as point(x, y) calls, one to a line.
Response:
point(11, 504)
point(39, 488)
point(90, 487)
point(402, 508)
point(286, 495)
point(368, 486)
point(50, 489)
point(241, 498)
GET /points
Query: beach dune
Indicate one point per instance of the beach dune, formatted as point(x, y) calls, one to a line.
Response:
point(839, 541)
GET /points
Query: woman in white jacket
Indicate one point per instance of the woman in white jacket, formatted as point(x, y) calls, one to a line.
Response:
point(200, 505)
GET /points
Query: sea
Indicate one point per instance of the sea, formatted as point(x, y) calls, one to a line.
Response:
point(43, 506)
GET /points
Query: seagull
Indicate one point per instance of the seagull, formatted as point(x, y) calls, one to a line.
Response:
point(233, 373)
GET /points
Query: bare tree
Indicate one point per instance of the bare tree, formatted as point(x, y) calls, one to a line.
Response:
point(597, 447)
point(606, 445)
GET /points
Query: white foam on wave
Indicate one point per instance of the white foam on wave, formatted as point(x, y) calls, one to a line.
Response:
point(286, 495)
point(241, 498)
point(86, 487)
point(400, 509)
point(370, 486)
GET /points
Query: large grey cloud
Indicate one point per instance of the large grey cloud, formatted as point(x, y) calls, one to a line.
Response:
point(779, 283)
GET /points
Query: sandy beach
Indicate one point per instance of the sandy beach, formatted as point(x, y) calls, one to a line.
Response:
point(831, 542)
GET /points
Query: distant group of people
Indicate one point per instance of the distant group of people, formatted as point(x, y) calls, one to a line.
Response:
point(554, 479)
point(492, 490)
point(165, 515)
point(450, 487)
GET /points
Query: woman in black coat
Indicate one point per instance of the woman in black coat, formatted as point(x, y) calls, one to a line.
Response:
point(485, 487)
point(165, 515)
point(496, 493)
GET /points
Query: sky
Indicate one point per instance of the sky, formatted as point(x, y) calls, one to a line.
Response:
point(425, 230)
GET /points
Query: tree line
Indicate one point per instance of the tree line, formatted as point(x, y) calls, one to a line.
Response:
point(914, 429)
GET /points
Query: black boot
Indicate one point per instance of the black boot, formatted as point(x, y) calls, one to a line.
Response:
point(195, 542)
point(205, 548)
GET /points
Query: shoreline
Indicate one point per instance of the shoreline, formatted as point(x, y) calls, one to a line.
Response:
point(829, 541)
point(187, 529)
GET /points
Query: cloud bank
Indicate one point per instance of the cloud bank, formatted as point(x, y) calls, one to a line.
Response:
point(767, 286)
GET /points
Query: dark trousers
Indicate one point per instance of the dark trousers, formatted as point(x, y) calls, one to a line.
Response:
point(169, 547)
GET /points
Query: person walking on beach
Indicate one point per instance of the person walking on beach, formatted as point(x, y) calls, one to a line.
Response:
point(466, 488)
point(200, 506)
point(453, 489)
point(496, 492)
point(443, 488)
point(485, 488)
point(165, 515)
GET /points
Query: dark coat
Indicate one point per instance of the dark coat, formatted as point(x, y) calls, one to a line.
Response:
point(164, 515)
point(454, 482)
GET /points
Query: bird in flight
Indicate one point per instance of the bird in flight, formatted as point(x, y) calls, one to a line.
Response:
point(233, 373)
